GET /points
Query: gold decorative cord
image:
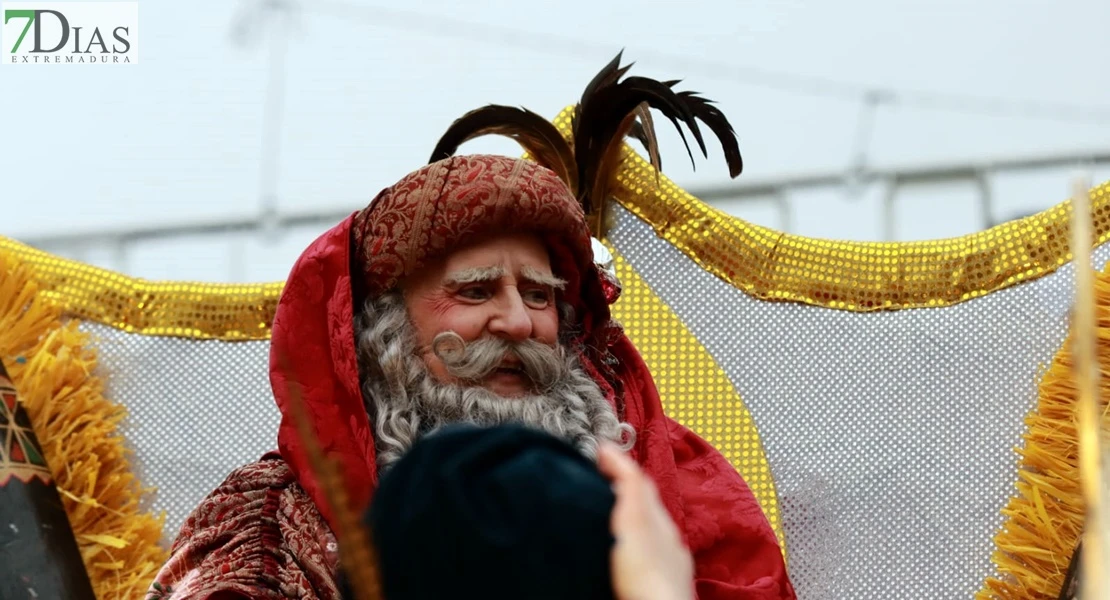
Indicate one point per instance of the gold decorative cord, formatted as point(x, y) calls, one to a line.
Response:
point(854, 276)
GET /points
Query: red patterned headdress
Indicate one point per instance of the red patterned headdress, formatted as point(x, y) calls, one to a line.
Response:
point(457, 200)
point(445, 205)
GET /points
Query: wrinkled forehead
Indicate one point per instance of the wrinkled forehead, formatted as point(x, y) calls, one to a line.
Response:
point(522, 257)
point(510, 251)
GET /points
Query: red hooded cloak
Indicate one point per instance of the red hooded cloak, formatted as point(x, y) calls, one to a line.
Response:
point(263, 533)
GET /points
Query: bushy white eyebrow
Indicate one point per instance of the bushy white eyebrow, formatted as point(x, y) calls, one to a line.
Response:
point(475, 275)
point(483, 274)
point(537, 276)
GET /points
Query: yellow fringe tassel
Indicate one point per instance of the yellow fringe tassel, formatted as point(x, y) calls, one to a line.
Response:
point(1045, 519)
point(52, 367)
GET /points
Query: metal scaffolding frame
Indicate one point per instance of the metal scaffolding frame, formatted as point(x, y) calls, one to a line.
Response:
point(274, 19)
point(268, 221)
point(894, 180)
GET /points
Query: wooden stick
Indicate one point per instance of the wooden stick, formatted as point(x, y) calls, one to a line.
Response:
point(356, 550)
point(1088, 426)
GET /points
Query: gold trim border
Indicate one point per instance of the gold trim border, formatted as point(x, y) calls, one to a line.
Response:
point(764, 263)
point(175, 308)
point(854, 276)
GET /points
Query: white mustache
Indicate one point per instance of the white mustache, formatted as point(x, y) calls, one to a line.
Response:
point(542, 364)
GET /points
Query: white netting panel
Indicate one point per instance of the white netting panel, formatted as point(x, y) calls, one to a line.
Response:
point(198, 409)
point(890, 435)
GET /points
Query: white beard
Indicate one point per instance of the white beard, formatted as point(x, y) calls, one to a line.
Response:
point(404, 401)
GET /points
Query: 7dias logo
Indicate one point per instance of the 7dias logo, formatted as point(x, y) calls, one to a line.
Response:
point(70, 33)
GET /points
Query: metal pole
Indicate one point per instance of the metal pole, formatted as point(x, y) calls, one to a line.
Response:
point(986, 199)
point(751, 190)
point(273, 114)
point(786, 213)
point(889, 216)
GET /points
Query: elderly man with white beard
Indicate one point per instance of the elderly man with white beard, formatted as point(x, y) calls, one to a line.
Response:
point(476, 339)
point(468, 292)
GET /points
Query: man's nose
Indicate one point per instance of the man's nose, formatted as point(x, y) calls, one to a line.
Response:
point(512, 321)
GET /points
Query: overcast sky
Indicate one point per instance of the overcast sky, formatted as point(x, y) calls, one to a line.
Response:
point(371, 86)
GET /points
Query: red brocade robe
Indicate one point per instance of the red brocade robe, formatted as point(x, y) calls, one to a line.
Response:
point(261, 533)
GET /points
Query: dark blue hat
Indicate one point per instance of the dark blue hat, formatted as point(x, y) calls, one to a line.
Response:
point(501, 512)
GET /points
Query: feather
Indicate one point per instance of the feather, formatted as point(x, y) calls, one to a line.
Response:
point(603, 108)
point(646, 134)
point(612, 109)
point(538, 136)
point(602, 125)
point(356, 549)
point(593, 197)
point(717, 122)
point(607, 76)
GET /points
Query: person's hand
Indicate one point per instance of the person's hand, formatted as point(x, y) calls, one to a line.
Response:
point(649, 560)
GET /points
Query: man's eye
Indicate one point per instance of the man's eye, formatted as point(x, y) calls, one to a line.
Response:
point(537, 298)
point(475, 292)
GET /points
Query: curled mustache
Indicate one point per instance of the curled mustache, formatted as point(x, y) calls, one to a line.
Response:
point(542, 364)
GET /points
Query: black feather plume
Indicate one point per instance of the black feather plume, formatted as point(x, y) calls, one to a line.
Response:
point(612, 108)
point(538, 136)
point(606, 115)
